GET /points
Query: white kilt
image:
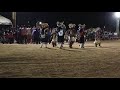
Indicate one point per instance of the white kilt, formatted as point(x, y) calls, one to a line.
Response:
point(73, 39)
point(54, 40)
point(97, 42)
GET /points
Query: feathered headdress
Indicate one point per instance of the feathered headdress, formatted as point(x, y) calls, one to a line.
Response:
point(44, 25)
point(82, 26)
point(71, 25)
point(97, 29)
point(54, 30)
point(60, 24)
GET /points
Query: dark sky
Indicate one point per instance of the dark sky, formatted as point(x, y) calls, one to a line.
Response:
point(91, 19)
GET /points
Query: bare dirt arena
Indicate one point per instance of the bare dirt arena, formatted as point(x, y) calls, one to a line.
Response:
point(31, 61)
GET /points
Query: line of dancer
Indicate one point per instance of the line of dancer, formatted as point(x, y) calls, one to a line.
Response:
point(60, 34)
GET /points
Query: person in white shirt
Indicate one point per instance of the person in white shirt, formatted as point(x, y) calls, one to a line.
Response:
point(33, 30)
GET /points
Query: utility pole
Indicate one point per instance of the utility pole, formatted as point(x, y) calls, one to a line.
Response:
point(117, 27)
point(14, 19)
point(117, 15)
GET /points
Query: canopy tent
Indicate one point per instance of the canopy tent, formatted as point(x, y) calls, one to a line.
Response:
point(5, 21)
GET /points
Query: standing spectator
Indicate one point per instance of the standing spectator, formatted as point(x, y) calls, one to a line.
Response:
point(24, 35)
point(33, 30)
point(36, 36)
point(29, 35)
point(10, 37)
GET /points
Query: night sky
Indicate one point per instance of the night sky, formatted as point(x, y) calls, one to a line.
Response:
point(91, 19)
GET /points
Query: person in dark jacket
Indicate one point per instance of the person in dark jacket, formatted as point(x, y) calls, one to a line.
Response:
point(36, 36)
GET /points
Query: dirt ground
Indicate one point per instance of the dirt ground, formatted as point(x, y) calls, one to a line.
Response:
point(31, 61)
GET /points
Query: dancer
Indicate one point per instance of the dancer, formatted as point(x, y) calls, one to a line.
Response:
point(97, 37)
point(44, 34)
point(71, 34)
point(61, 32)
point(54, 37)
point(82, 35)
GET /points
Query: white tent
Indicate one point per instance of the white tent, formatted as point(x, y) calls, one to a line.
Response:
point(5, 21)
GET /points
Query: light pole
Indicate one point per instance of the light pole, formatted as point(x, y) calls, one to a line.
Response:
point(14, 19)
point(117, 15)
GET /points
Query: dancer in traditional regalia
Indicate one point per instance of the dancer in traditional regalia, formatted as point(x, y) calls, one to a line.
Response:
point(82, 35)
point(61, 28)
point(54, 37)
point(44, 34)
point(97, 37)
point(71, 34)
